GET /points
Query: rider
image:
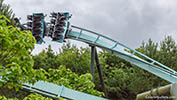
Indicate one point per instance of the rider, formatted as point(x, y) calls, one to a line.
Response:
point(17, 23)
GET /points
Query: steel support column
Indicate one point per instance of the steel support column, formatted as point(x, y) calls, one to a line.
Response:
point(100, 72)
point(92, 62)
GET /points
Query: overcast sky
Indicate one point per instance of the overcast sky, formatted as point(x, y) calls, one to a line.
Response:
point(128, 21)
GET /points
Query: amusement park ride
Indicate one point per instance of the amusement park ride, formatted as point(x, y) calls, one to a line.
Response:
point(60, 29)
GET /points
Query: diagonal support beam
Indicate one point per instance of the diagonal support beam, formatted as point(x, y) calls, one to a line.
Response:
point(100, 73)
point(92, 61)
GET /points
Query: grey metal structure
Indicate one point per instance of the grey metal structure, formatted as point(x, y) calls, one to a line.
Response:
point(92, 69)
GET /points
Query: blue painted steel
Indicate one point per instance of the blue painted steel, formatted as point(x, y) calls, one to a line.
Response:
point(55, 91)
point(66, 14)
point(42, 26)
point(155, 67)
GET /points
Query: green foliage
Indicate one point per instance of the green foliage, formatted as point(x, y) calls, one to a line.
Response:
point(4, 98)
point(76, 59)
point(66, 77)
point(46, 59)
point(36, 96)
point(149, 49)
point(16, 63)
point(6, 10)
point(32, 96)
point(12, 93)
point(168, 50)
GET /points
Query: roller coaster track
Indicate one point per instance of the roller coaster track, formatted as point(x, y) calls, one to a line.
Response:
point(114, 47)
point(54, 91)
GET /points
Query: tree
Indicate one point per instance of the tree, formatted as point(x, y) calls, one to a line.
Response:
point(16, 63)
point(76, 59)
point(33, 96)
point(149, 49)
point(6, 10)
point(46, 59)
point(64, 76)
point(168, 52)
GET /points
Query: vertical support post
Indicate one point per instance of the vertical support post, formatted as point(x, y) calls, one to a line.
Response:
point(100, 72)
point(92, 62)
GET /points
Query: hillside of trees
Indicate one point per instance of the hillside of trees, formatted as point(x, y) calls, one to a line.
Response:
point(71, 66)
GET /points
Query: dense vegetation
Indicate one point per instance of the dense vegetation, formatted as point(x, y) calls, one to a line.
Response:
point(6, 10)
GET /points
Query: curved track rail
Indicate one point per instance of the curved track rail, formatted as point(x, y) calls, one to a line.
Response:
point(114, 46)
